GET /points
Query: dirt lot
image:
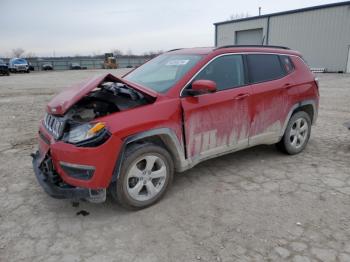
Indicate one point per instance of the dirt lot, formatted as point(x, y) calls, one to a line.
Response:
point(253, 205)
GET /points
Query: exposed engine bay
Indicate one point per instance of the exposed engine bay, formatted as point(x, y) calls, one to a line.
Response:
point(107, 98)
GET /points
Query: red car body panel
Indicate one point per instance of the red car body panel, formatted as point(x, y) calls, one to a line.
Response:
point(218, 120)
point(204, 125)
point(266, 97)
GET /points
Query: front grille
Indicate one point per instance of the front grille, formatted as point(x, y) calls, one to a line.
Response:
point(21, 68)
point(54, 125)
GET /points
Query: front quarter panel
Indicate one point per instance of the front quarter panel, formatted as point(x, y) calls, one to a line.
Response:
point(164, 112)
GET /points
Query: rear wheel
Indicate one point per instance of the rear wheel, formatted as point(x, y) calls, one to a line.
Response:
point(297, 134)
point(146, 173)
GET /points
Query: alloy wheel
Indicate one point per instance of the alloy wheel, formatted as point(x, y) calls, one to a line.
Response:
point(298, 133)
point(146, 177)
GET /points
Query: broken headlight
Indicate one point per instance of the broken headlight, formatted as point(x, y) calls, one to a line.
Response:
point(85, 132)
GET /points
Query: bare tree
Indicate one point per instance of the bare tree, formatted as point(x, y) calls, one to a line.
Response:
point(153, 53)
point(96, 53)
point(117, 52)
point(17, 52)
point(30, 55)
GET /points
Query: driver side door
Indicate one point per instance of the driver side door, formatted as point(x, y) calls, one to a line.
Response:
point(219, 122)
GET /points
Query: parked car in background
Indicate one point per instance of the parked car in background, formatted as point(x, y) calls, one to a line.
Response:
point(47, 67)
point(18, 65)
point(31, 67)
point(183, 107)
point(77, 66)
point(4, 69)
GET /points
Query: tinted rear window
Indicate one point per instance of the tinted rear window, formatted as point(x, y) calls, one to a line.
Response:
point(264, 67)
point(287, 64)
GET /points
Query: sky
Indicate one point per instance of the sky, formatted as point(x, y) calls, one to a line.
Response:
point(87, 27)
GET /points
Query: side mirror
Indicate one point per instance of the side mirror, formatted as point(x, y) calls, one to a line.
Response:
point(202, 87)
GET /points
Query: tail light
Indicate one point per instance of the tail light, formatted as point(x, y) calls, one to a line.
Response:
point(317, 85)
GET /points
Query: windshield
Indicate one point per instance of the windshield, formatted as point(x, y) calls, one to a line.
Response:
point(20, 61)
point(163, 72)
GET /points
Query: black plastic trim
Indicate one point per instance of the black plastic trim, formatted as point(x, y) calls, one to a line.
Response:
point(263, 46)
point(53, 190)
point(78, 172)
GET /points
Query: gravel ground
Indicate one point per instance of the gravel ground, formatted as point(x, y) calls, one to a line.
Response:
point(253, 205)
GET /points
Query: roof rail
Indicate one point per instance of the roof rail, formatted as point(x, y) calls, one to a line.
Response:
point(173, 50)
point(267, 46)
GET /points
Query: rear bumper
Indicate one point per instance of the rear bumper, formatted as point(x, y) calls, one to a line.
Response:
point(62, 191)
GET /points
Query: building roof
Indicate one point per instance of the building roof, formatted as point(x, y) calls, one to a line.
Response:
point(286, 12)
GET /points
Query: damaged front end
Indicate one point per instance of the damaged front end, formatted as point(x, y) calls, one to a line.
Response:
point(72, 140)
point(77, 124)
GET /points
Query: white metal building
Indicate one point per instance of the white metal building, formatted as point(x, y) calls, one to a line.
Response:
point(320, 33)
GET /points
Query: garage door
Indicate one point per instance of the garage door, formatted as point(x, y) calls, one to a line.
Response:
point(249, 37)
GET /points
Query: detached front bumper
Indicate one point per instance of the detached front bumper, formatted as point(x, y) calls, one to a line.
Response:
point(55, 189)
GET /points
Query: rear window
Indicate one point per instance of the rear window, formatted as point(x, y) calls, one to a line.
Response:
point(264, 68)
point(287, 64)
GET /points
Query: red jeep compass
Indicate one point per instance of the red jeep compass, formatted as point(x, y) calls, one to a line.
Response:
point(130, 134)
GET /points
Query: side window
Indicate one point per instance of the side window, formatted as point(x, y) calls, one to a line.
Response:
point(226, 71)
point(263, 67)
point(287, 64)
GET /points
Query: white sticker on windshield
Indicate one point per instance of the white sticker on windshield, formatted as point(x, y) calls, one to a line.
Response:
point(177, 62)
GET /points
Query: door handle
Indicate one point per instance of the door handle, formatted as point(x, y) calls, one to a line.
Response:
point(241, 96)
point(287, 85)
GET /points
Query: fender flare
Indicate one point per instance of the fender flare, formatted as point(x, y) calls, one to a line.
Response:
point(296, 106)
point(167, 136)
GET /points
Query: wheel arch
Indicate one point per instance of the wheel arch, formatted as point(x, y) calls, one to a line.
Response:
point(308, 106)
point(164, 137)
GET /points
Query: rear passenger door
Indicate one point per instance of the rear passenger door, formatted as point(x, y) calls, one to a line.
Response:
point(218, 122)
point(272, 96)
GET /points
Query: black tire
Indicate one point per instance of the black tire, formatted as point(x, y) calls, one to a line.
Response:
point(119, 189)
point(286, 145)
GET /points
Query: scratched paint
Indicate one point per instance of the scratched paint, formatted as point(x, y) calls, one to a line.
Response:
point(217, 128)
point(269, 115)
point(223, 127)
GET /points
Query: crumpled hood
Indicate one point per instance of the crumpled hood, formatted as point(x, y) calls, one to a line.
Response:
point(71, 95)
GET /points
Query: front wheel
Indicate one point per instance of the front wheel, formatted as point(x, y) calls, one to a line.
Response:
point(297, 134)
point(146, 173)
